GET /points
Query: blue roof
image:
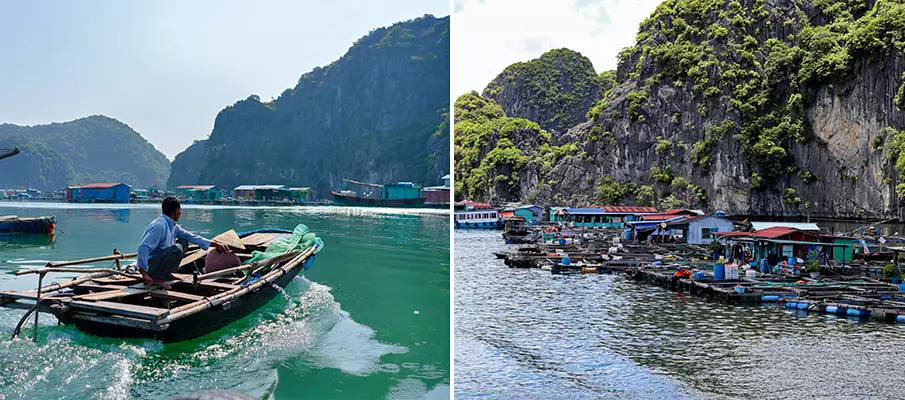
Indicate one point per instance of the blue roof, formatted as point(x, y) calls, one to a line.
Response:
point(586, 211)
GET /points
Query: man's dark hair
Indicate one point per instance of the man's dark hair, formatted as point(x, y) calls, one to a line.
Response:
point(170, 205)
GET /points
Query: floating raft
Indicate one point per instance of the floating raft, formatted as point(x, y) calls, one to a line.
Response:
point(852, 296)
point(115, 302)
point(14, 224)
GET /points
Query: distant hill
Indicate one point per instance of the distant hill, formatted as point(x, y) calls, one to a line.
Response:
point(187, 165)
point(91, 149)
point(380, 113)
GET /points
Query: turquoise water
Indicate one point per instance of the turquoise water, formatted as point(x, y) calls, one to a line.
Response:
point(370, 319)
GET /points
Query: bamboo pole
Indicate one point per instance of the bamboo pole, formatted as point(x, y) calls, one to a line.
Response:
point(201, 305)
point(46, 270)
point(90, 260)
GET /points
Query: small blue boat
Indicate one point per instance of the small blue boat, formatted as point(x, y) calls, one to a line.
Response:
point(14, 224)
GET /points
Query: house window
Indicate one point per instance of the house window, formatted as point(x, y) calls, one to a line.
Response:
point(707, 233)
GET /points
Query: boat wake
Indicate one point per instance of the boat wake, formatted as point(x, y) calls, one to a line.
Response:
point(304, 329)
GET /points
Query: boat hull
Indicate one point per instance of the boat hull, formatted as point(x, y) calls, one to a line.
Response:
point(480, 225)
point(193, 326)
point(343, 200)
point(27, 225)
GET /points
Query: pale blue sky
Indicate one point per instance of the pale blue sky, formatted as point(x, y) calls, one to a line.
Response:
point(503, 32)
point(166, 68)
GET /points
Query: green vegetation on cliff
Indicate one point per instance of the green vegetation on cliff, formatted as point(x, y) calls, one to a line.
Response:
point(761, 76)
point(86, 150)
point(555, 90)
point(379, 114)
point(491, 149)
point(187, 166)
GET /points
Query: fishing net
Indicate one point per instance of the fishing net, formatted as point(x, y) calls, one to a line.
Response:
point(300, 239)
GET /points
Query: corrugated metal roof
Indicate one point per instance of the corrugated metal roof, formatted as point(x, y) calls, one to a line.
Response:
point(99, 185)
point(299, 188)
point(586, 211)
point(196, 187)
point(256, 187)
point(803, 226)
point(630, 209)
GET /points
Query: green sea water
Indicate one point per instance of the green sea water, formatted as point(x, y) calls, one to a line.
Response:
point(370, 319)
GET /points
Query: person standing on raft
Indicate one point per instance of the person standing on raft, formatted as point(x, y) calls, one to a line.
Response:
point(164, 243)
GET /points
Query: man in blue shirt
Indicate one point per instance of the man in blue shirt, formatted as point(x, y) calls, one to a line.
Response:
point(164, 243)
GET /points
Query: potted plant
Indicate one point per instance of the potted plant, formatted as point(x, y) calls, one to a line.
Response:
point(812, 265)
point(890, 272)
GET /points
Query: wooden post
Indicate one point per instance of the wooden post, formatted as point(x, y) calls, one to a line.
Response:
point(116, 252)
point(34, 337)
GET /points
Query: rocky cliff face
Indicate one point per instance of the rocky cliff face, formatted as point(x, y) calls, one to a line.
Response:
point(775, 108)
point(187, 165)
point(87, 150)
point(378, 114)
point(555, 90)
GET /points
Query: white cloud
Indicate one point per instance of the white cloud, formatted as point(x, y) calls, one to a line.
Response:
point(489, 35)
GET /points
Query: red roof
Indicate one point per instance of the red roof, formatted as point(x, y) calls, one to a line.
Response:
point(629, 209)
point(774, 232)
point(479, 206)
point(98, 185)
point(769, 233)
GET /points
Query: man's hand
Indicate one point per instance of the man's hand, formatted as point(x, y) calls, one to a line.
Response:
point(220, 247)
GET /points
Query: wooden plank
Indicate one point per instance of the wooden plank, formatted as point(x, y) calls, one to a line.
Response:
point(115, 281)
point(113, 294)
point(120, 320)
point(101, 287)
point(172, 294)
point(252, 240)
point(131, 310)
point(218, 285)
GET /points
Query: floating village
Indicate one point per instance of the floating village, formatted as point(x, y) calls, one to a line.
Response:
point(353, 193)
point(796, 265)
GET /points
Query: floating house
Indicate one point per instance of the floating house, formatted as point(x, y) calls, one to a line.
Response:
point(99, 192)
point(699, 229)
point(602, 217)
point(260, 192)
point(471, 215)
point(199, 192)
point(301, 194)
point(438, 195)
point(787, 242)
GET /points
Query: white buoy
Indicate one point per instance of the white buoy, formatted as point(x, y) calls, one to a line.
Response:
point(416, 312)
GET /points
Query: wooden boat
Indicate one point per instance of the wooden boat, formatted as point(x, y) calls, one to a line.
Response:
point(402, 194)
point(115, 303)
point(14, 224)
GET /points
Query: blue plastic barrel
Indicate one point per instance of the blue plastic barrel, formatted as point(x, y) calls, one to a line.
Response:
point(566, 261)
point(562, 241)
point(719, 272)
point(902, 287)
point(900, 318)
point(831, 309)
point(698, 276)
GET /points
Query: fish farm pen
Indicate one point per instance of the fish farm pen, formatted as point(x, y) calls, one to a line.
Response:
point(851, 288)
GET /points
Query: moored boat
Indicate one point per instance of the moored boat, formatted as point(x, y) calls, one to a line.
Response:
point(479, 219)
point(114, 302)
point(402, 194)
point(15, 224)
